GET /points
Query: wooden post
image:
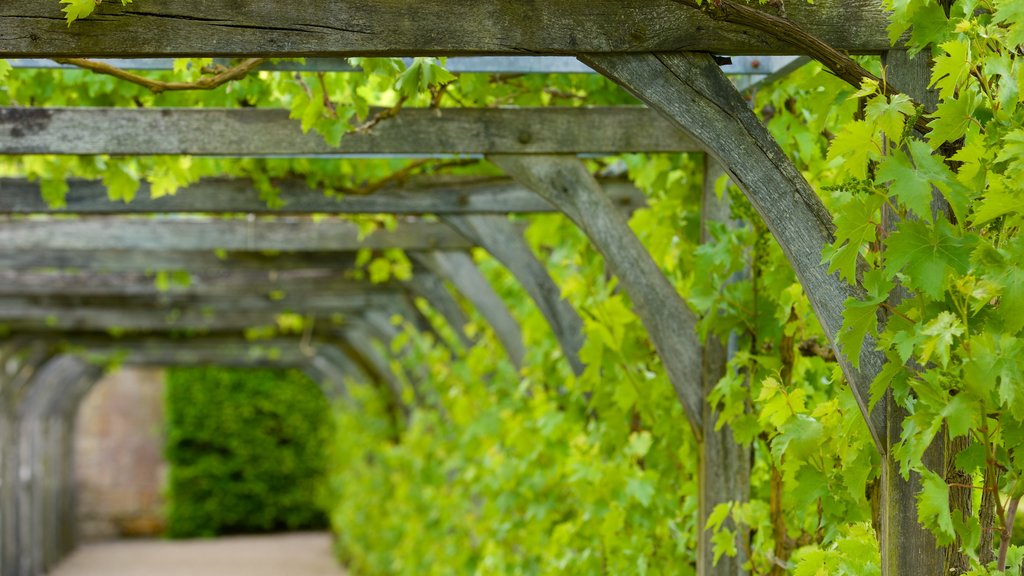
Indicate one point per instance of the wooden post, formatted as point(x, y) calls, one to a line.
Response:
point(724, 470)
point(565, 182)
point(505, 242)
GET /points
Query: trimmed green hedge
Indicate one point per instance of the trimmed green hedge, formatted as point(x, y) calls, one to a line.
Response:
point(247, 451)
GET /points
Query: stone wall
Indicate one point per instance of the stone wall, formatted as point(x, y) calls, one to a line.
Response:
point(119, 456)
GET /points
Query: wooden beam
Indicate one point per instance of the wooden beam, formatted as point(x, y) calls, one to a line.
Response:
point(171, 260)
point(212, 196)
point(253, 132)
point(32, 305)
point(285, 234)
point(286, 283)
point(758, 66)
point(431, 288)
point(200, 350)
point(75, 319)
point(504, 241)
point(319, 28)
point(567, 183)
point(692, 93)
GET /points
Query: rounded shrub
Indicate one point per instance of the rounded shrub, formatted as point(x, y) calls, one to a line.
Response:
point(246, 449)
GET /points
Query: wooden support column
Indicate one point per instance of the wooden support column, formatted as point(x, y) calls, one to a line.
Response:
point(907, 547)
point(360, 342)
point(20, 367)
point(566, 183)
point(37, 481)
point(724, 470)
point(459, 269)
point(504, 240)
point(691, 91)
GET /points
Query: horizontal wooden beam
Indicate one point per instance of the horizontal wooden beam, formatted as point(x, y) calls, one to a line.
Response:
point(76, 319)
point(285, 283)
point(221, 195)
point(740, 65)
point(199, 350)
point(266, 132)
point(286, 234)
point(171, 260)
point(30, 28)
point(184, 309)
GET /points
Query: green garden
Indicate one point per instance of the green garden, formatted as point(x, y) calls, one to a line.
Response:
point(665, 287)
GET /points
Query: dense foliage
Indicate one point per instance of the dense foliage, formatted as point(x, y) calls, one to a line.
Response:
point(245, 450)
point(539, 471)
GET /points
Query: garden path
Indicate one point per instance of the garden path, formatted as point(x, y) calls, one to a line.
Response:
point(278, 555)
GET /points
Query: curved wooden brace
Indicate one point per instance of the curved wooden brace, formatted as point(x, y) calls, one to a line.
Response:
point(459, 269)
point(504, 241)
point(691, 91)
point(566, 183)
point(431, 288)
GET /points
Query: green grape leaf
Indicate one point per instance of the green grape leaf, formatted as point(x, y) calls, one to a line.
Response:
point(933, 507)
point(952, 118)
point(951, 69)
point(77, 9)
point(890, 114)
point(926, 255)
point(856, 227)
point(856, 145)
point(1010, 13)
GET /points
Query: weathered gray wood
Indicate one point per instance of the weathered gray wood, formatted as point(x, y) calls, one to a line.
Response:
point(691, 91)
point(908, 549)
point(33, 449)
point(286, 283)
point(195, 351)
point(32, 307)
point(233, 196)
point(565, 181)
point(266, 132)
point(171, 260)
point(284, 234)
point(22, 362)
point(724, 469)
point(459, 269)
point(505, 241)
point(32, 29)
point(431, 288)
point(122, 319)
point(741, 65)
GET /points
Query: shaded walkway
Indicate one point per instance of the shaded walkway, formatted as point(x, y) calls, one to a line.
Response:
point(291, 555)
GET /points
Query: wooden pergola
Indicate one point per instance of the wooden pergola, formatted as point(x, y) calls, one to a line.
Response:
point(65, 281)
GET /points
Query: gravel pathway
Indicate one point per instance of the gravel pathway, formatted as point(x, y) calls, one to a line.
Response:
point(284, 555)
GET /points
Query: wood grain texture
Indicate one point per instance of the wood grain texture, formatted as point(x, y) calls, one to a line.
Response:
point(459, 269)
point(147, 261)
point(33, 29)
point(198, 234)
point(253, 132)
point(233, 196)
point(505, 242)
point(692, 93)
point(908, 549)
point(209, 283)
point(671, 325)
point(175, 306)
